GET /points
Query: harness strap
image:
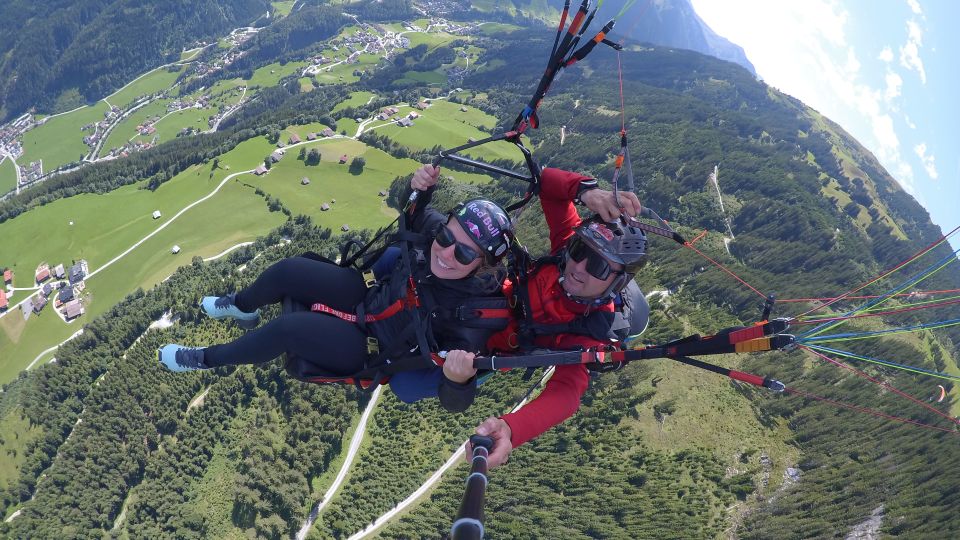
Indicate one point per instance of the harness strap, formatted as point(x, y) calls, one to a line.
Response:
point(411, 300)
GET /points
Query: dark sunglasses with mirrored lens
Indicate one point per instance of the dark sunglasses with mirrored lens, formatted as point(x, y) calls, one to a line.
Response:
point(463, 253)
point(597, 266)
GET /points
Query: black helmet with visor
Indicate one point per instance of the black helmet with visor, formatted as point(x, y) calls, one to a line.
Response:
point(602, 243)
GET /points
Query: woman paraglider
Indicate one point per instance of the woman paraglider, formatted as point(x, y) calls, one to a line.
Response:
point(442, 293)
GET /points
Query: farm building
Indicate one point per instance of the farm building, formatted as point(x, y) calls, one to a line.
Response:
point(43, 273)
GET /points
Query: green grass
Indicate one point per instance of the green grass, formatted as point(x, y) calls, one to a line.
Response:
point(343, 73)
point(347, 124)
point(59, 141)
point(431, 40)
point(283, 8)
point(496, 28)
point(171, 124)
point(271, 74)
point(358, 203)
point(444, 124)
point(15, 434)
point(155, 81)
point(301, 131)
point(8, 176)
point(428, 77)
point(356, 99)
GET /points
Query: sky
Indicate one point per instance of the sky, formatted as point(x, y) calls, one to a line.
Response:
point(887, 71)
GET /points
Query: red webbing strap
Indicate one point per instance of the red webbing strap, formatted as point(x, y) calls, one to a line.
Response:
point(746, 377)
point(411, 300)
point(757, 331)
point(392, 310)
point(493, 313)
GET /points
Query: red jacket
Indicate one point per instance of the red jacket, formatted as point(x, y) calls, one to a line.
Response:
point(561, 397)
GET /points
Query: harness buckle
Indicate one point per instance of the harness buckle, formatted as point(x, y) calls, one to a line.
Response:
point(369, 279)
point(372, 346)
point(461, 314)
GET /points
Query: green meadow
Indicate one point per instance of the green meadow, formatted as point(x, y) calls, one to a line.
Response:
point(496, 28)
point(343, 73)
point(15, 434)
point(349, 125)
point(59, 140)
point(444, 124)
point(8, 176)
point(358, 205)
point(171, 124)
point(283, 8)
point(155, 81)
point(356, 99)
point(425, 77)
point(271, 74)
point(431, 40)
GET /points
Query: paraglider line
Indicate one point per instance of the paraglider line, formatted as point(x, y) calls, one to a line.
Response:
point(881, 383)
point(913, 307)
point(724, 268)
point(887, 363)
point(909, 282)
point(885, 274)
point(864, 335)
point(870, 411)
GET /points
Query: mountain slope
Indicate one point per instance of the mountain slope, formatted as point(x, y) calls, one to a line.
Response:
point(669, 23)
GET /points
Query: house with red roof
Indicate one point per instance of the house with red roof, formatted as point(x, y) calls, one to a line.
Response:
point(3, 300)
point(43, 273)
point(8, 276)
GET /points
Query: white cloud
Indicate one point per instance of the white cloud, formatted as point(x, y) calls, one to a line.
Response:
point(915, 7)
point(908, 121)
point(894, 83)
point(928, 161)
point(910, 52)
point(803, 49)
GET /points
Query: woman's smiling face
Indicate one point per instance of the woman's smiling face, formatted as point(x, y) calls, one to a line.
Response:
point(443, 260)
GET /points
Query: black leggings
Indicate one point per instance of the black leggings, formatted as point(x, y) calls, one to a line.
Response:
point(334, 345)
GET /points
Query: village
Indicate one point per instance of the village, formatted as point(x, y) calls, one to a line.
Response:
point(62, 286)
point(370, 38)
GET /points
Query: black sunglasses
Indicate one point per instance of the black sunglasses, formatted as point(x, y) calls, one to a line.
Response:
point(463, 253)
point(597, 266)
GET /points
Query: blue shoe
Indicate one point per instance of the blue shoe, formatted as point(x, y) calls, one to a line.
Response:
point(179, 358)
point(221, 307)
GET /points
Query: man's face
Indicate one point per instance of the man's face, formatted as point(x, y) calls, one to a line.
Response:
point(583, 263)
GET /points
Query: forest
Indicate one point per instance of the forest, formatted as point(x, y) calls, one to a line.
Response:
point(125, 450)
